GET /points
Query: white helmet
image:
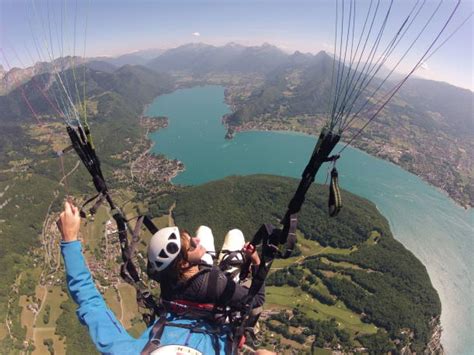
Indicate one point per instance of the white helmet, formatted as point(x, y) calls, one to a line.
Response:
point(164, 247)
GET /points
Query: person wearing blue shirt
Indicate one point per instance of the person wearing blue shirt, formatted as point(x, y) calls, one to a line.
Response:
point(107, 333)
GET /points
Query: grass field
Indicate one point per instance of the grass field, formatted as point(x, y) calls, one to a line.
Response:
point(112, 300)
point(308, 248)
point(287, 297)
point(54, 298)
point(129, 304)
point(373, 238)
point(343, 264)
point(27, 317)
point(47, 333)
point(292, 344)
point(321, 288)
point(137, 329)
point(3, 331)
point(94, 230)
point(161, 222)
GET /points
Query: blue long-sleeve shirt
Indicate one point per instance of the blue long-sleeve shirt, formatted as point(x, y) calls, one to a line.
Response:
point(107, 333)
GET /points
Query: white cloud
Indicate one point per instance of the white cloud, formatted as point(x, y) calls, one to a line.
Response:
point(424, 66)
point(196, 34)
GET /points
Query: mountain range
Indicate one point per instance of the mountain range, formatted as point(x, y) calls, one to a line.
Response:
point(427, 128)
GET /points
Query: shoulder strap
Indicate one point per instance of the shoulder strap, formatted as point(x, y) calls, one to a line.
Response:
point(155, 336)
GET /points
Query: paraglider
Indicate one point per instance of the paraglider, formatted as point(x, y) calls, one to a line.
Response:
point(355, 88)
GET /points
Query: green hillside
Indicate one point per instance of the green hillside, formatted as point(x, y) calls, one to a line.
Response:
point(349, 263)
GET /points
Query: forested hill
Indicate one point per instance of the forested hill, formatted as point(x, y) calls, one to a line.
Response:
point(136, 85)
point(352, 259)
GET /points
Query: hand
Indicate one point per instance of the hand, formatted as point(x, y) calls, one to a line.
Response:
point(69, 222)
point(250, 251)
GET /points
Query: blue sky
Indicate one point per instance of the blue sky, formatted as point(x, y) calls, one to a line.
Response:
point(118, 26)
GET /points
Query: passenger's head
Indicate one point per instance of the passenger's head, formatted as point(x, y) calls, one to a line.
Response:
point(172, 252)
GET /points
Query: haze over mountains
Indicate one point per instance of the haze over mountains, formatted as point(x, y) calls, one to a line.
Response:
point(454, 104)
point(198, 58)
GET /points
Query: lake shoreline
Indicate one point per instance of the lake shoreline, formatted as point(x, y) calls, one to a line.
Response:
point(289, 131)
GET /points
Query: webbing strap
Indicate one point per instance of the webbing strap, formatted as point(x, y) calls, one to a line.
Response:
point(228, 292)
point(230, 259)
point(335, 200)
point(211, 284)
point(156, 333)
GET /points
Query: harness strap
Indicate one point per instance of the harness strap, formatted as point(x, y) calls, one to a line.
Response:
point(231, 258)
point(156, 333)
point(228, 292)
point(211, 284)
point(335, 200)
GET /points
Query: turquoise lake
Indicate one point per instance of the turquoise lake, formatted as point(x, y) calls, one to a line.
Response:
point(426, 221)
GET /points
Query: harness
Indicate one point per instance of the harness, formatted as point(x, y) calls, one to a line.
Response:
point(274, 242)
point(216, 320)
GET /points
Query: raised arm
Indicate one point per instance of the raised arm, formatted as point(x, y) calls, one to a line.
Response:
point(106, 331)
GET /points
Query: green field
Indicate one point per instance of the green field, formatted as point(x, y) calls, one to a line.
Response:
point(373, 238)
point(47, 333)
point(94, 231)
point(308, 248)
point(27, 317)
point(129, 304)
point(343, 264)
point(111, 298)
point(3, 331)
point(286, 297)
point(54, 298)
